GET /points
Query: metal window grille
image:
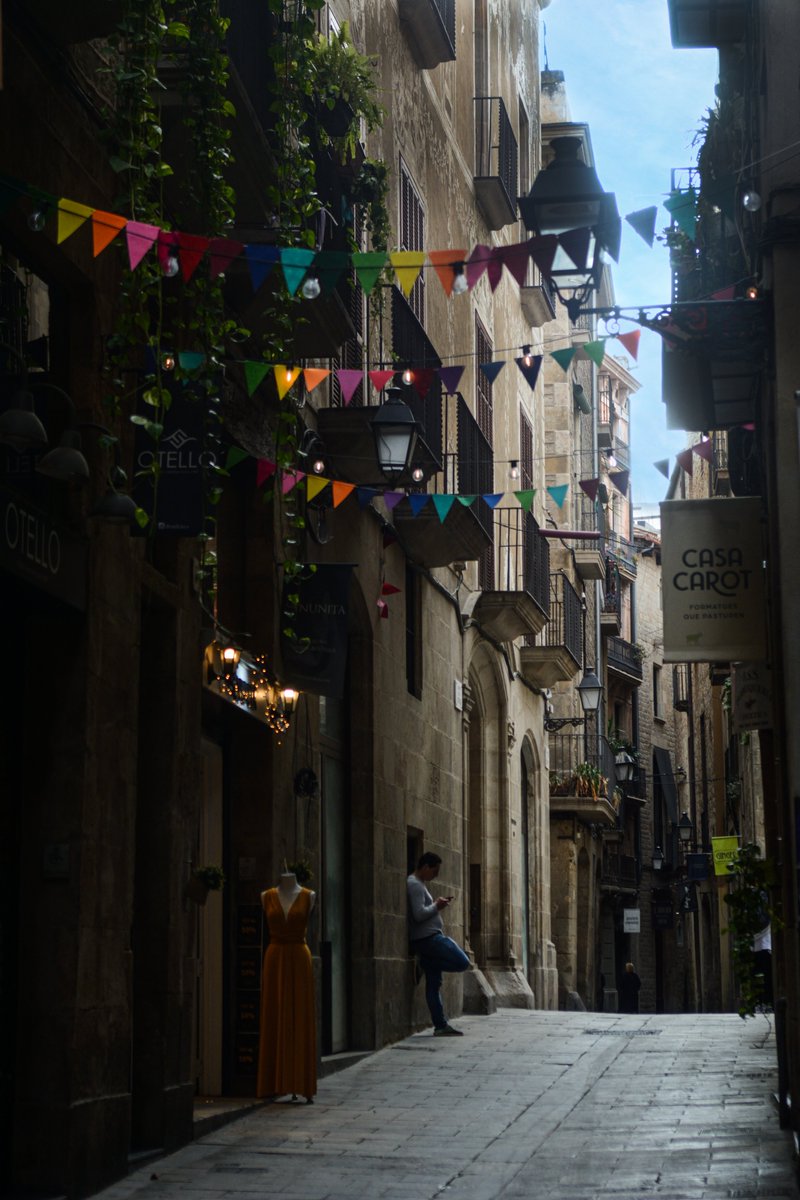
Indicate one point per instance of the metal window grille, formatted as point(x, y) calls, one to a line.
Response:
point(412, 235)
point(495, 145)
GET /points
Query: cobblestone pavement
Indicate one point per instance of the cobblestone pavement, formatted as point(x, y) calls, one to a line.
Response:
point(534, 1105)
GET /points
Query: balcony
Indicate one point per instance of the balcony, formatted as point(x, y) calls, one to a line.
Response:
point(707, 23)
point(623, 553)
point(580, 777)
point(590, 557)
point(538, 303)
point(557, 653)
point(430, 26)
point(495, 162)
point(619, 872)
point(610, 620)
point(518, 603)
point(624, 659)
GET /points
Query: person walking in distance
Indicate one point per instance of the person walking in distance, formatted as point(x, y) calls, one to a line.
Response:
point(629, 987)
point(435, 952)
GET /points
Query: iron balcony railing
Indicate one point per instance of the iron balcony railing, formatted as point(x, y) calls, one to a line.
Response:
point(521, 556)
point(624, 656)
point(619, 870)
point(565, 627)
point(569, 750)
point(622, 550)
point(495, 145)
point(611, 603)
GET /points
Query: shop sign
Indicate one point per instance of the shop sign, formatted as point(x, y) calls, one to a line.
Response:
point(631, 920)
point(751, 696)
point(723, 851)
point(713, 580)
point(181, 459)
point(315, 660)
point(697, 867)
point(36, 549)
point(662, 914)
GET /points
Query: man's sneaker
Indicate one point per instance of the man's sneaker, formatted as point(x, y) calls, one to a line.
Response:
point(448, 1031)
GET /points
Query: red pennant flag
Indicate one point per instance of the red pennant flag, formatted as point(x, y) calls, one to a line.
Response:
point(728, 293)
point(589, 486)
point(516, 258)
point(221, 253)
point(383, 609)
point(631, 342)
point(379, 379)
point(389, 589)
point(423, 378)
point(191, 248)
point(684, 459)
point(264, 470)
point(704, 449)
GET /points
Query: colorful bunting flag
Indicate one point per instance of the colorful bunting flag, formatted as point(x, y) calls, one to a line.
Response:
point(684, 460)
point(493, 499)
point(264, 471)
point(450, 377)
point(466, 500)
point(525, 498)
point(140, 238)
point(644, 222)
point(663, 466)
point(576, 242)
point(444, 263)
point(589, 486)
point(620, 480)
point(260, 261)
point(559, 493)
point(682, 207)
point(313, 377)
point(349, 379)
point(191, 250)
point(392, 499)
point(105, 227)
point(71, 216)
point(543, 251)
point(341, 491)
point(383, 609)
point(564, 357)
point(596, 351)
point(329, 266)
point(442, 504)
point(492, 369)
point(254, 372)
point(221, 253)
point(285, 378)
point(290, 479)
point(368, 266)
point(530, 365)
point(407, 265)
point(295, 261)
point(477, 263)
point(365, 496)
point(515, 259)
point(388, 589)
point(417, 501)
point(494, 267)
point(704, 449)
point(234, 456)
point(379, 379)
point(316, 484)
point(190, 360)
point(631, 342)
point(422, 378)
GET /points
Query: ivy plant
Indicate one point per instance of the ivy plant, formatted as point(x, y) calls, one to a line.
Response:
point(749, 910)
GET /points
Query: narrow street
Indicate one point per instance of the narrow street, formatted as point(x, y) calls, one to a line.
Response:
point(568, 1106)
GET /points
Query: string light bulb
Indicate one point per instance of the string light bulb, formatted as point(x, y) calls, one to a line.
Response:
point(37, 219)
point(751, 292)
point(311, 287)
point(514, 472)
point(168, 362)
point(171, 266)
point(526, 356)
point(418, 474)
point(318, 466)
point(751, 200)
point(460, 284)
point(408, 375)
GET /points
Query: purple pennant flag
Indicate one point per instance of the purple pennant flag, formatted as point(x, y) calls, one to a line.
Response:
point(418, 502)
point(477, 263)
point(349, 379)
point(663, 466)
point(589, 486)
point(684, 460)
point(516, 258)
point(365, 495)
point(704, 449)
point(531, 368)
point(450, 377)
point(443, 504)
point(492, 369)
point(392, 499)
point(576, 244)
point(493, 499)
point(260, 259)
point(620, 480)
point(494, 267)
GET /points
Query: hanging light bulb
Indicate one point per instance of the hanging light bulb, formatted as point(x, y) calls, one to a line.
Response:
point(171, 266)
point(168, 362)
point(751, 293)
point(311, 287)
point(418, 474)
point(751, 200)
point(526, 356)
point(37, 219)
point(408, 375)
point(514, 472)
point(460, 284)
point(318, 466)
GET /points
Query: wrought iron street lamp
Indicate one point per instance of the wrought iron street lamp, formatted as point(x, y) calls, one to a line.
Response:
point(589, 690)
point(395, 430)
point(658, 858)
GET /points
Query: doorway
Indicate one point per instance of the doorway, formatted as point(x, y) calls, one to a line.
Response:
point(336, 868)
point(208, 1022)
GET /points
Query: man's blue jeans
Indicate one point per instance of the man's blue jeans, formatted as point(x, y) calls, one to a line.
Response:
point(436, 955)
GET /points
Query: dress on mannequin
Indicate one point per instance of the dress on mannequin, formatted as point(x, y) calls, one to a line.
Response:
point(287, 1052)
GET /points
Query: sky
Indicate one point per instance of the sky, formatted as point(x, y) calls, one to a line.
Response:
point(643, 101)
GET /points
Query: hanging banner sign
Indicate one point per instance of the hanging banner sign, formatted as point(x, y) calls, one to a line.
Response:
point(713, 580)
point(631, 920)
point(751, 696)
point(315, 660)
point(178, 501)
point(723, 851)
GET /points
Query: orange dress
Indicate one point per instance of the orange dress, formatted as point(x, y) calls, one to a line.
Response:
point(287, 1051)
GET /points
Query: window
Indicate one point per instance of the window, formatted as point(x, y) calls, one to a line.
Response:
point(412, 236)
point(483, 388)
point(657, 706)
point(525, 452)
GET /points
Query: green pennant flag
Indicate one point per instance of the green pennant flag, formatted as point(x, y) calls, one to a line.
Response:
point(644, 222)
point(682, 207)
point(466, 500)
point(368, 266)
point(442, 504)
point(564, 357)
point(526, 498)
point(235, 456)
point(559, 493)
point(190, 360)
point(295, 262)
point(254, 372)
point(596, 351)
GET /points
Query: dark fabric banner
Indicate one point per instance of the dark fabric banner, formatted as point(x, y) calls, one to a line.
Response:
point(177, 504)
point(322, 617)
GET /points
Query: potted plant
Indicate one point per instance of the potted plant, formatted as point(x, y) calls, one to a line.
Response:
point(345, 85)
point(202, 881)
point(583, 780)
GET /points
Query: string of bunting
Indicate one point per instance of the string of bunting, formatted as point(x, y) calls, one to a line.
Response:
point(703, 449)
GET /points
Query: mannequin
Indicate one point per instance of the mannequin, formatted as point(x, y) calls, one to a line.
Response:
point(287, 1052)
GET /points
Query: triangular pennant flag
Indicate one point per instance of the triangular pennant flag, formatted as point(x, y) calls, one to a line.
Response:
point(684, 459)
point(71, 216)
point(234, 456)
point(493, 499)
point(575, 243)
point(166, 249)
point(442, 504)
point(290, 479)
point(389, 589)
point(191, 250)
point(295, 261)
point(596, 351)
point(559, 493)
point(444, 263)
point(530, 368)
point(516, 258)
point(139, 238)
point(543, 251)
point(316, 484)
point(418, 501)
point(704, 449)
point(727, 293)
point(260, 261)
point(221, 253)
point(105, 227)
point(525, 498)
point(564, 357)
point(450, 377)
point(477, 263)
point(620, 480)
point(494, 267)
point(313, 377)
point(631, 342)
point(383, 609)
point(466, 500)
point(682, 207)
point(644, 222)
point(379, 379)
point(341, 491)
point(392, 499)
point(368, 266)
point(422, 379)
point(264, 471)
point(365, 495)
point(492, 369)
point(749, 425)
point(190, 360)
point(589, 486)
point(254, 372)
point(349, 379)
point(285, 378)
point(330, 265)
point(407, 266)
point(663, 466)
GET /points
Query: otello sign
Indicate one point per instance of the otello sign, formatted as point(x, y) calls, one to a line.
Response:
point(713, 580)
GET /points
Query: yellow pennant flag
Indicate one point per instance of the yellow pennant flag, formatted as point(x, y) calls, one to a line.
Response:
point(105, 227)
point(285, 378)
point(407, 266)
point(315, 484)
point(71, 216)
point(313, 376)
point(341, 491)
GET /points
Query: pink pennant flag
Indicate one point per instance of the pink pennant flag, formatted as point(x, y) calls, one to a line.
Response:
point(289, 479)
point(589, 486)
point(383, 609)
point(264, 471)
point(349, 379)
point(631, 342)
point(140, 238)
point(704, 449)
point(221, 253)
point(728, 293)
point(379, 379)
point(684, 459)
point(750, 425)
point(494, 267)
point(191, 248)
point(477, 263)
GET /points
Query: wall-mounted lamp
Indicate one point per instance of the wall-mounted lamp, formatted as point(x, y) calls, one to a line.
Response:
point(658, 858)
point(685, 829)
point(624, 767)
point(395, 430)
point(589, 690)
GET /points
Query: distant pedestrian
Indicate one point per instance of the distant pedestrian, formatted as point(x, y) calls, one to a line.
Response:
point(436, 953)
point(629, 990)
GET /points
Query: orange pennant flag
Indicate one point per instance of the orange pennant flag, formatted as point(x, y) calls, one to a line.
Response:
point(105, 227)
point(313, 377)
point(407, 266)
point(444, 263)
point(631, 342)
point(285, 378)
point(71, 216)
point(341, 491)
point(315, 484)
